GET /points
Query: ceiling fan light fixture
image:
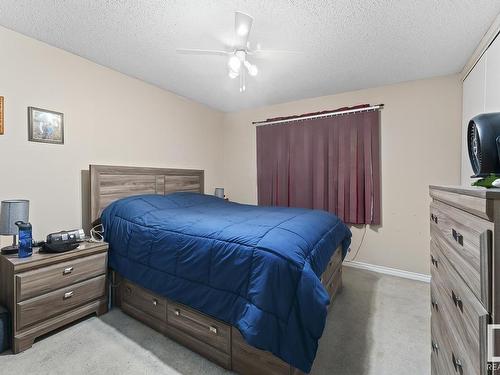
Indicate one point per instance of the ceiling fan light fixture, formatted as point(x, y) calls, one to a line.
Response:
point(252, 69)
point(242, 30)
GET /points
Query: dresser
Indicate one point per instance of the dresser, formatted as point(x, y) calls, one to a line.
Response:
point(465, 292)
point(47, 291)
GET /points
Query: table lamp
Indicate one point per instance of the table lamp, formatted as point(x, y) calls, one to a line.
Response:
point(11, 211)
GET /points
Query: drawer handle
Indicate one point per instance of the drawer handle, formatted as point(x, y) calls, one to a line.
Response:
point(457, 237)
point(213, 329)
point(128, 290)
point(434, 261)
point(434, 305)
point(177, 312)
point(435, 347)
point(434, 218)
point(457, 301)
point(67, 271)
point(68, 295)
point(155, 302)
point(457, 363)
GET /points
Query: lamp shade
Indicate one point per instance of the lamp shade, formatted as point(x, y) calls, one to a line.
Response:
point(12, 211)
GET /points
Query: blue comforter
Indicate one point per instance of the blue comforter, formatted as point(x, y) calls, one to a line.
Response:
point(256, 268)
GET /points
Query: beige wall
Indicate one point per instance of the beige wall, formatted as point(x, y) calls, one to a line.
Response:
point(109, 118)
point(420, 131)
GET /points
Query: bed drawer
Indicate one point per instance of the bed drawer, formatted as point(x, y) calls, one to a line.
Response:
point(467, 241)
point(460, 311)
point(47, 305)
point(333, 285)
point(144, 300)
point(334, 263)
point(40, 281)
point(250, 360)
point(201, 326)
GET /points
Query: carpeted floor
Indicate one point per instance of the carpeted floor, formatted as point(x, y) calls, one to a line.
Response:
point(378, 325)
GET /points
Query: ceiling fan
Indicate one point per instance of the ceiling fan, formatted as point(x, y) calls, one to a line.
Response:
point(238, 64)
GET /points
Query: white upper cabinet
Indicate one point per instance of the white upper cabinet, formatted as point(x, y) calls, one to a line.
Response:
point(493, 78)
point(473, 104)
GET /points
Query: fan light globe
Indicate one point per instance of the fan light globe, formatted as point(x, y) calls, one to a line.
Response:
point(232, 74)
point(242, 30)
point(234, 64)
point(252, 69)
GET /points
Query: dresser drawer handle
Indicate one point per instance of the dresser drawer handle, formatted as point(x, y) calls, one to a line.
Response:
point(434, 218)
point(67, 271)
point(457, 363)
point(435, 347)
point(457, 237)
point(213, 329)
point(128, 290)
point(177, 312)
point(434, 261)
point(457, 301)
point(434, 305)
point(68, 295)
point(155, 302)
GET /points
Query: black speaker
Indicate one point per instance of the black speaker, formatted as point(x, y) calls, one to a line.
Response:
point(482, 138)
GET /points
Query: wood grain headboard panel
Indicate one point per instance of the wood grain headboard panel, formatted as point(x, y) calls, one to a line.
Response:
point(109, 183)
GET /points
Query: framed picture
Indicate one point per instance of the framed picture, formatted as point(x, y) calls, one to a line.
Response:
point(1, 115)
point(45, 126)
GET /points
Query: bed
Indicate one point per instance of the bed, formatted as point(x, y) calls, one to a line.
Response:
point(245, 286)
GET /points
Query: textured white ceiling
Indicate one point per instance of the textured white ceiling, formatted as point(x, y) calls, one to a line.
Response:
point(346, 44)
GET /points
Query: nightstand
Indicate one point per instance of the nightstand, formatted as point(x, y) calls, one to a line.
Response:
point(46, 291)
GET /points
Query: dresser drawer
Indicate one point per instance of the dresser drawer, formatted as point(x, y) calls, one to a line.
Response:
point(47, 305)
point(203, 327)
point(40, 281)
point(144, 300)
point(441, 351)
point(467, 241)
point(460, 312)
point(332, 266)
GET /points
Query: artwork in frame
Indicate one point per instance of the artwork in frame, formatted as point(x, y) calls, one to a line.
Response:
point(45, 126)
point(1, 115)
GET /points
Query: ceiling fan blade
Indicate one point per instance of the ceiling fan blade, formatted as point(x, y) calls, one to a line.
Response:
point(263, 52)
point(242, 26)
point(193, 51)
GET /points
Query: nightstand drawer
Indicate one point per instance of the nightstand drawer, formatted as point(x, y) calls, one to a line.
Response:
point(45, 306)
point(40, 281)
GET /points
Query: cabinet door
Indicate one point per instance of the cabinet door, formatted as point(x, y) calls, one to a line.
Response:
point(493, 77)
point(473, 104)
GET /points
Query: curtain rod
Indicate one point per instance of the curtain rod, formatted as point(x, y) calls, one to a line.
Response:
point(328, 114)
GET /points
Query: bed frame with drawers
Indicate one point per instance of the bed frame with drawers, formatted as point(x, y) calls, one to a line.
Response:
point(213, 339)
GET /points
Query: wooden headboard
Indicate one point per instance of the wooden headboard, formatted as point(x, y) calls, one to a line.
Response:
point(109, 183)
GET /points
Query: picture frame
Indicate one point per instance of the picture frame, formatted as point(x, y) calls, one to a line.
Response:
point(45, 126)
point(1, 115)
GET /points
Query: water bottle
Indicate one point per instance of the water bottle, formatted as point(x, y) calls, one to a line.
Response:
point(25, 239)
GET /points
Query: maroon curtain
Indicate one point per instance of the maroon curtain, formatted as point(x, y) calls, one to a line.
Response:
point(329, 163)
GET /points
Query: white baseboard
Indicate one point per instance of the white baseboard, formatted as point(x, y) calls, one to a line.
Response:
point(388, 271)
